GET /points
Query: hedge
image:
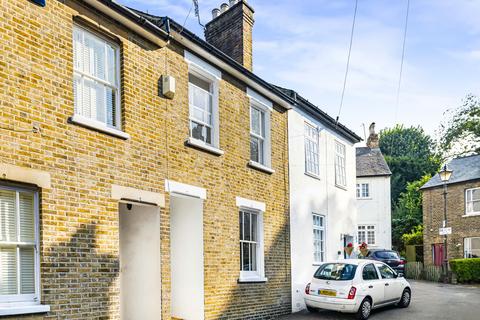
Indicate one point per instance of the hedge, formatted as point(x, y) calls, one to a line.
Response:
point(466, 270)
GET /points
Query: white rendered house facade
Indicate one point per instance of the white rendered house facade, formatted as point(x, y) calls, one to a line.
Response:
point(322, 192)
point(373, 195)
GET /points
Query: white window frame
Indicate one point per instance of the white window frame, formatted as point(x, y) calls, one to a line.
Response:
point(257, 208)
point(363, 190)
point(311, 155)
point(94, 123)
point(267, 156)
point(340, 165)
point(366, 228)
point(319, 228)
point(470, 213)
point(201, 69)
point(20, 300)
point(467, 246)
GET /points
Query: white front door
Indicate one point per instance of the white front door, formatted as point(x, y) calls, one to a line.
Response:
point(186, 256)
point(140, 273)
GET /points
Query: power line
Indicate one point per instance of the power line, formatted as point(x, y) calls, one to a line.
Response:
point(401, 63)
point(348, 61)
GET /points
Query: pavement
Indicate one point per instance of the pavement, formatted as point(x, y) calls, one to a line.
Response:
point(429, 301)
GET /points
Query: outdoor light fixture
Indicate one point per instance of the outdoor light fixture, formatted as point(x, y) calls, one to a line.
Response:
point(445, 174)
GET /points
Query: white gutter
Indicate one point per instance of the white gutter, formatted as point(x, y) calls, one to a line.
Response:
point(188, 44)
point(129, 23)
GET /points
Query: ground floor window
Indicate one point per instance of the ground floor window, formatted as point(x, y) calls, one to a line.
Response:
point(318, 238)
point(367, 234)
point(472, 247)
point(19, 257)
point(251, 245)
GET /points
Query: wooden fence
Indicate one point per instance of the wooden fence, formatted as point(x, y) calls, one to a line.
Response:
point(417, 271)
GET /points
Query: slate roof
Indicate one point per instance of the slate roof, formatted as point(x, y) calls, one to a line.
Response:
point(371, 163)
point(318, 113)
point(464, 169)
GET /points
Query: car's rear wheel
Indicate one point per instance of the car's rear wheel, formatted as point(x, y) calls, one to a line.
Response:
point(365, 309)
point(406, 298)
point(311, 309)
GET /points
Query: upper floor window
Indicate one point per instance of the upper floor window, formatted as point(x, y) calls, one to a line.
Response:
point(366, 233)
point(318, 238)
point(472, 201)
point(200, 96)
point(19, 253)
point(96, 79)
point(340, 165)
point(363, 190)
point(311, 150)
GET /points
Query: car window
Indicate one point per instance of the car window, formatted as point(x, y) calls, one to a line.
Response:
point(369, 272)
point(336, 271)
point(391, 255)
point(386, 272)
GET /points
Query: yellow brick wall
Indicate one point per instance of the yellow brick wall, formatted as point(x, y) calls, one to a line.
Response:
point(79, 220)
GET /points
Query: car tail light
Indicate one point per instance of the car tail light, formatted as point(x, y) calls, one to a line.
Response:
point(307, 289)
point(351, 293)
point(402, 261)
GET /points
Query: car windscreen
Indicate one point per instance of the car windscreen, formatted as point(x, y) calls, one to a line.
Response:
point(392, 255)
point(336, 271)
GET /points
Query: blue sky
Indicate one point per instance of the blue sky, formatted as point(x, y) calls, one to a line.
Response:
point(303, 45)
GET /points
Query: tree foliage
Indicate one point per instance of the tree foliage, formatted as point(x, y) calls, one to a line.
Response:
point(407, 213)
point(410, 154)
point(460, 133)
point(414, 237)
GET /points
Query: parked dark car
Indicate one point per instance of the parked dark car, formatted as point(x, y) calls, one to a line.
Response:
point(390, 257)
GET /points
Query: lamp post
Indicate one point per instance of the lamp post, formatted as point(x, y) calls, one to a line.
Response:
point(445, 175)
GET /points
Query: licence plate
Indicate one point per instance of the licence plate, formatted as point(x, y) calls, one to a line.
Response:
point(330, 293)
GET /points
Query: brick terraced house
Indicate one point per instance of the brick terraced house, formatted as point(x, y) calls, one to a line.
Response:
point(144, 172)
point(463, 212)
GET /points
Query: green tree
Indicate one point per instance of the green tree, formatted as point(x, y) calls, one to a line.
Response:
point(460, 133)
point(410, 154)
point(408, 213)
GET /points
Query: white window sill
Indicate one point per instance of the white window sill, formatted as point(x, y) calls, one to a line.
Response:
point(252, 279)
point(260, 167)
point(364, 198)
point(97, 125)
point(312, 175)
point(341, 187)
point(8, 311)
point(476, 214)
point(202, 145)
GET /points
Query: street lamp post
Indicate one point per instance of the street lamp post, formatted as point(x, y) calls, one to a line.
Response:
point(445, 175)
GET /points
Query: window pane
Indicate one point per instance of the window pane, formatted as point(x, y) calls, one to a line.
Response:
point(476, 206)
point(475, 194)
point(254, 227)
point(112, 63)
point(27, 222)
point(201, 83)
point(201, 132)
point(8, 271)
point(254, 149)
point(111, 107)
point(247, 227)
point(246, 257)
point(253, 256)
point(201, 99)
point(100, 102)
point(241, 224)
point(255, 121)
point(8, 221)
point(27, 270)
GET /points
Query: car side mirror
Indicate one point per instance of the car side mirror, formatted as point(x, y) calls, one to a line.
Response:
point(400, 275)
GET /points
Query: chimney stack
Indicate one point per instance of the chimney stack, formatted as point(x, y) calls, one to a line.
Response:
point(230, 31)
point(373, 141)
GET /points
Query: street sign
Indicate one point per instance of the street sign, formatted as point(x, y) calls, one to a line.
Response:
point(444, 231)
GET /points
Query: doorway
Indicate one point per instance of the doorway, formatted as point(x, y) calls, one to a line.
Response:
point(438, 254)
point(186, 256)
point(140, 273)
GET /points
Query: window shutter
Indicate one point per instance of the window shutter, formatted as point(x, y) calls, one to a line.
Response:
point(8, 221)
point(27, 219)
point(27, 270)
point(8, 271)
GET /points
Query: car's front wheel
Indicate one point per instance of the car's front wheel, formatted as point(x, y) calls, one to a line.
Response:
point(365, 309)
point(406, 298)
point(311, 309)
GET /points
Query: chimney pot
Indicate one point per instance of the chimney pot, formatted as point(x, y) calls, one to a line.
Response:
point(215, 13)
point(233, 2)
point(224, 7)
